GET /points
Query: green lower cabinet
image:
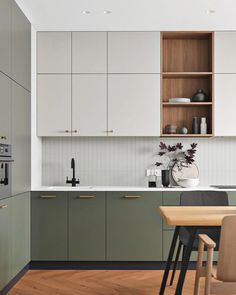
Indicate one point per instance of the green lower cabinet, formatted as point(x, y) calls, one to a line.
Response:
point(20, 213)
point(134, 226)
point(232, 198)
point(49, 211)
point(5, 242)
point(170, 199)
point(87, 226)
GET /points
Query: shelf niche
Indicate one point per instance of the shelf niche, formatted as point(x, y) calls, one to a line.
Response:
point(186, 66)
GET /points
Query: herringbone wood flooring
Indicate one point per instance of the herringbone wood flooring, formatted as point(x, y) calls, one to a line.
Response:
point(95, 282)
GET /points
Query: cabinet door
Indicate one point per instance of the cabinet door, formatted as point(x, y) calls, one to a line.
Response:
point(20, 232)
point(5, 36)
point(21, 132)
point(54, 105)
point(54, 52)
point(21, 47)
point(225, 47)
point(87, 226)
point(89, 52)
point(89, 105)
point(5, 242)
point(232, 198)
point(134, 52)
point(170, 199)
point(134, 105)
point(134, 226)
point(49, 226)
point(225, 104)
point(5, 110)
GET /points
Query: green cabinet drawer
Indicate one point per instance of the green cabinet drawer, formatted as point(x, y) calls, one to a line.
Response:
point(87, 226)
point(134, 226)
point(170, 199)
point(20, 232)
point(5, 242)
point(49, 226)
point(232, 198)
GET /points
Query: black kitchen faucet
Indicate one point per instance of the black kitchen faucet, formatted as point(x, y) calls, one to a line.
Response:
point(73, 181)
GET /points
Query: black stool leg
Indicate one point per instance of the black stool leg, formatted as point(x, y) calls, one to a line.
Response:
point(175, 263)
point(169, 261)
point(184, 264)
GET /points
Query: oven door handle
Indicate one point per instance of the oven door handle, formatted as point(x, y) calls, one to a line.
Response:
point(6, 161)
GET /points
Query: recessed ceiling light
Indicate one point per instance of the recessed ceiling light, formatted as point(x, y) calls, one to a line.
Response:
point(107, 11)
point(210, 11)
point(86, 12)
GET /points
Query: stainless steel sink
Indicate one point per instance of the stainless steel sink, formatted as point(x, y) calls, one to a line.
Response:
point(224, 186)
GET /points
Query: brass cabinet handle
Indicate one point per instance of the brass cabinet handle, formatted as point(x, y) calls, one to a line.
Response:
point(48, 197)
point(132, 197)
point(3, 137)
point(3, 206)
point(86, 197)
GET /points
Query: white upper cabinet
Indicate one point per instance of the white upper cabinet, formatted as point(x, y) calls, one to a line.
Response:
point(54, 52)
point(134, 105)
point(21, 47)
point(54, 105)
point(5, 36)
point(225, 105)
point(89, 105)
point(134, 52)
point(89, 52)
point(225, 49)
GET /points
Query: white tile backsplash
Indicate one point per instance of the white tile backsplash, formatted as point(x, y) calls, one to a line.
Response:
point(123, 160)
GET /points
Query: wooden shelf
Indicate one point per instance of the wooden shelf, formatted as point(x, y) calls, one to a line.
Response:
point(186, 67)
point(185, 74)
point(188, 104)
point(186, 135)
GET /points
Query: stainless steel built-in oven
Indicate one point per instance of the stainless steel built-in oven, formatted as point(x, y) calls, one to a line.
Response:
point(5, 170)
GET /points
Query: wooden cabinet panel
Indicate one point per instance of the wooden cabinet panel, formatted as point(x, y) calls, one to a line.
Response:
point(49, 226)
point(89, 52)
point(5, 36)
point(225, 104)
point(21, 47)
point(54, 105)
point(134, 52)
point(134, 228)
point(87, 226)
point(54, 52)
point(225, 47)
point(21, 134)
point(20, 232)
point(5, 110)
point(134, 105)
point(89, 105)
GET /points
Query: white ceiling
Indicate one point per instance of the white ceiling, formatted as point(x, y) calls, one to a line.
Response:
point(130, 14)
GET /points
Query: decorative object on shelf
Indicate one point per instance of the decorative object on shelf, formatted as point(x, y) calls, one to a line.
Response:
point(196, 127)
point(188, 182)
point(199, 96)
point(179, 162)
point(183, 130)
point(203, 126)
point(170, 129)
point(180, 100)
point(165, 177)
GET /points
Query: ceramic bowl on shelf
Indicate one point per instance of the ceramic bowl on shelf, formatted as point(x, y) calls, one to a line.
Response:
point(188, 182)
point(180, 100)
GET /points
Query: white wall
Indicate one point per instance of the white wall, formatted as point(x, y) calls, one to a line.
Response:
point(122, 161)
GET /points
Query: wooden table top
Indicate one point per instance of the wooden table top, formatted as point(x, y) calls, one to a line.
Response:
point(195, 215)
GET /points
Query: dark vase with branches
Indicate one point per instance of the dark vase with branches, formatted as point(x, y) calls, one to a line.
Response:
point(174, 155)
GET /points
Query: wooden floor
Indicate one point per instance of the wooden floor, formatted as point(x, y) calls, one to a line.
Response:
point(95, 282)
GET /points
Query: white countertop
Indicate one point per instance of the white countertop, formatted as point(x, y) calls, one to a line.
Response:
point(125, 188)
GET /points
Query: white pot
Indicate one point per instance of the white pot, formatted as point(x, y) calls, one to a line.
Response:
point(188, 182)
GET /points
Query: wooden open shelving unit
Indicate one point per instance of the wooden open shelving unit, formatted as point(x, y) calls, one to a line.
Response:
point(186, 66)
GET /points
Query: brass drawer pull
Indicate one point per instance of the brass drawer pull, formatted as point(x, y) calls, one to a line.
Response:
point(3, 206)
point(86, 197)
point(48, 197)
point(132, 197)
